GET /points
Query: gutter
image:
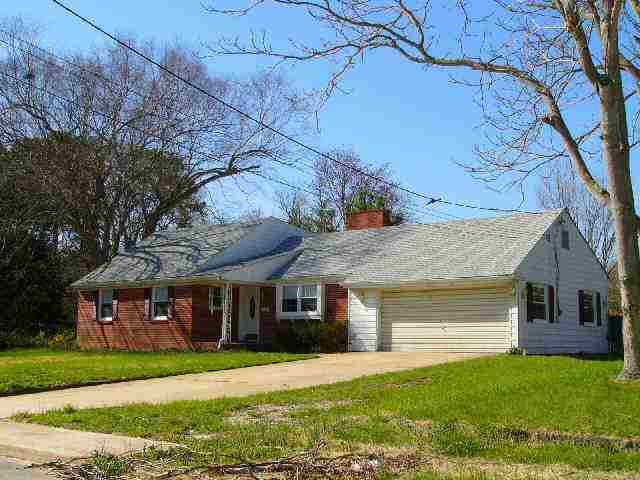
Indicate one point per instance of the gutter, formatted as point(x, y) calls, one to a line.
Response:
point(448, 283)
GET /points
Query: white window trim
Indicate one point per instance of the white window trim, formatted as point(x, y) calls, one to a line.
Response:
point(299, 314)
point(100, 317)
point(153, 302)
point(211, 307)
point(546, 303)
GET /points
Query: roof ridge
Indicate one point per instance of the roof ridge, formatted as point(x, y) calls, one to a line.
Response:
point(554, 211)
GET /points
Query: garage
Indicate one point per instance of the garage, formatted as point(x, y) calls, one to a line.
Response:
point(471, 320)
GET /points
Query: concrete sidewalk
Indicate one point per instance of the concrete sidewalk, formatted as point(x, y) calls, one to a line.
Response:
point(40, 443)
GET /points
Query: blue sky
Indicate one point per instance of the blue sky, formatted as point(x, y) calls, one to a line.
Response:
point(396, 112)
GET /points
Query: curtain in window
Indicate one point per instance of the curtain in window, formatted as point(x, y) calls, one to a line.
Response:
point(309, 298)
point(290, 299)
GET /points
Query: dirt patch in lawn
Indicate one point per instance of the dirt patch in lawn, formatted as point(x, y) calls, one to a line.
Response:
point(519, 471)
point(274, 413)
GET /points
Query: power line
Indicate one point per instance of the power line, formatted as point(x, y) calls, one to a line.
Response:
point(430, 199)
point(262, 175)
point(105, 115)
point(272, 156)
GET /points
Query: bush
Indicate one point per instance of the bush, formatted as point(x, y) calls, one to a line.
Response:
point(16, 339)
point(63, 340)
point(517, 351)
point(310, 337)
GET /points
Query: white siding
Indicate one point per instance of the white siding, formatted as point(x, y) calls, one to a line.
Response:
point(578, 270)
point(469, 320)
point(364, 306)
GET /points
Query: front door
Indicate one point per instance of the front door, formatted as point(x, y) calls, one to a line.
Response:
point(249, 312)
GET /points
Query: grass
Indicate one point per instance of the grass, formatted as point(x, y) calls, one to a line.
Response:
point(482, 408)
point(33, 370)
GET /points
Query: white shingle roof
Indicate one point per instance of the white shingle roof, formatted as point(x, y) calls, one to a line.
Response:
point(413, 253)
point(170, 254)
point(398, 254)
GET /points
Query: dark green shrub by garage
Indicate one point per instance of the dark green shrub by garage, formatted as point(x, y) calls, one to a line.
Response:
point(310, 336)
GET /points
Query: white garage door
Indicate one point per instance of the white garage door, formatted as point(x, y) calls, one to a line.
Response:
point(447, 320)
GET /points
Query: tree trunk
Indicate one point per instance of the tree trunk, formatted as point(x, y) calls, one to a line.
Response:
point(616, 157)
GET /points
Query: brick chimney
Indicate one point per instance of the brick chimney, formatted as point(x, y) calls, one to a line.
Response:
point(375, 218)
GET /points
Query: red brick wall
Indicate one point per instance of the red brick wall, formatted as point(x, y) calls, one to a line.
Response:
point(207, 326)
point(267, 314)
point(129, 330)
point(368, 219)
point(336, 303)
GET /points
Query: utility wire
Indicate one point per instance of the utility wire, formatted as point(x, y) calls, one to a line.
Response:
point(430, 199)
point(272, 156)
point(264, 176)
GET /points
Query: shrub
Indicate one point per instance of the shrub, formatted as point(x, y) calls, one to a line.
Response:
point(310, 337)
point(16, 339)
point(63, 340)
point(517, 351)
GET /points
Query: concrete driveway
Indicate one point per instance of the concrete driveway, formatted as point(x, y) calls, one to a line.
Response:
point(240, 382)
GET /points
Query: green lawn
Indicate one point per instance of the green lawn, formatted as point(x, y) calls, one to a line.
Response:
point(32, 370)
point(483, 408)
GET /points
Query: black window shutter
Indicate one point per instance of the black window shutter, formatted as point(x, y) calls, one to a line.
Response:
point(116, 305)
point(96, 304)
point(147, 303)
point(552, 303)
point(529, 302)
point(172, 301)
point(598, 309)
point(581, 307)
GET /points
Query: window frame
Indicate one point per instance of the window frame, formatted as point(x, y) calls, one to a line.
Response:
point(299, 313)
point(100, 297)
point(154, 301)
point(564, 233)
point(214, 308)
point(593, 322)
point(545, 289)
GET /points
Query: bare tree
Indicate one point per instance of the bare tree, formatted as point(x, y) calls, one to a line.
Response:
point(534, 63)
point(337, 189)
point(129, 149)
point(560, 187)
point(341, 184)
point(293, 205)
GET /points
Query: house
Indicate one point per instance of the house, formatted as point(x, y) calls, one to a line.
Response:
point(484, 285)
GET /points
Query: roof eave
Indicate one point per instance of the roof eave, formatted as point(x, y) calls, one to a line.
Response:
point(435, 283)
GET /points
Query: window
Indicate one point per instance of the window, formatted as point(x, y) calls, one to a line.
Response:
point(300, 300)
point(541, 303)
point(565, 239)
point(105, 307)
point(537, 303)
point(290, 299)
point(160, 297)
point(215, 299)
point(309, 298)
point(590, 306)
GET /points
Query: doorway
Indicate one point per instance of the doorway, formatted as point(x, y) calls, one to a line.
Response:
point(249, 313)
